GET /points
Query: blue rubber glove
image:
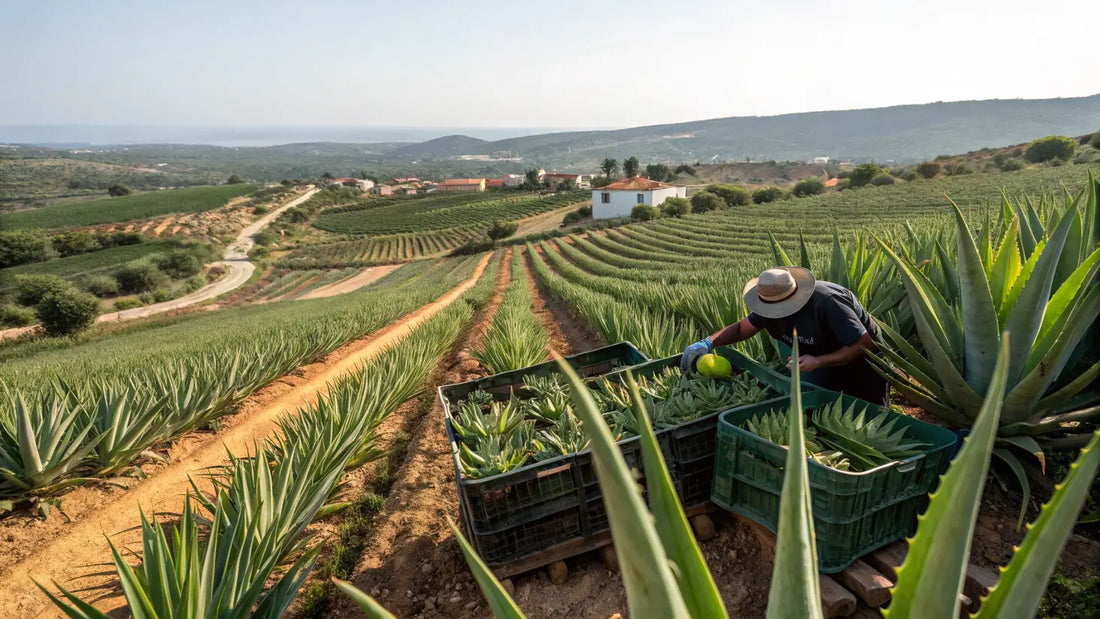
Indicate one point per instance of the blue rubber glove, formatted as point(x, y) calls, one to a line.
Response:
point(693, 352)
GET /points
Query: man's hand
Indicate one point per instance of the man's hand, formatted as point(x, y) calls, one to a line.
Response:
point(807, 363)
point(692, 354)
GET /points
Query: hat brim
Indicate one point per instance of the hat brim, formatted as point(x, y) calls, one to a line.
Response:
point(804, 281)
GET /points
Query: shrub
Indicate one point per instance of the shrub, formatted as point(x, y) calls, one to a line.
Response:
point(99, 285)
point(295, 215)
point(29, 289)
point(1095, 141)
point(767, 194)
point(645, 212)
point(195, 284)
point(957, 169)
point(910, 176)
point(928, 169)
point(73, 243)
point(261, 210)
point(658, 172)
point(844, 174)
point(863, 174)
point(882, 179)
point(178, 263)
point(66, 312)
point(501, 229)
point(1082, 158)
point(23, 247)
point(1011, 165)
point(12, 315)
point(1050, 147)
point(1057, 162)
point(127, 303)
point(676, 207)
point(705, 201)
point(115, 239)
point(810, 187)
point(140, 276)
point(118, 190)
point(265, 238)
point(684, 168)
point(570, 218)
point(160, 296)
point(234, 180)
point(734, 195)
point(258, 252)
point(999, 159)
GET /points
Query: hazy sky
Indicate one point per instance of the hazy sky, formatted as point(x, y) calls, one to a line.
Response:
point(526, 64)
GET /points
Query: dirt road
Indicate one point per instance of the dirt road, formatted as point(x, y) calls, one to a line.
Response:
point(355, 282)
point(238, 271)
point(545, 222)
point(72, 554)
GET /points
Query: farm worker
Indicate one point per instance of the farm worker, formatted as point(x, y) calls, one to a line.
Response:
point(833, 331)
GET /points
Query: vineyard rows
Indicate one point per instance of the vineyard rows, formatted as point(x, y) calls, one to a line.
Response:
point(426, 214)
point(373, 250)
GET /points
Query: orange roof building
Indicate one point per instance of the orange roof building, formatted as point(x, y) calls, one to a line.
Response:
point(459, 185)
point(619, 198)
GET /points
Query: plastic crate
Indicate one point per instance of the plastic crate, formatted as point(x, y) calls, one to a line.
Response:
point(689, 447)
point(854, 512)
point(542, 504)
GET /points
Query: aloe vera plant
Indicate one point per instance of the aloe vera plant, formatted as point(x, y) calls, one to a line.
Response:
point(516, 338)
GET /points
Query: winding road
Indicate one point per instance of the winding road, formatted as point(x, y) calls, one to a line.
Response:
point(238, 271)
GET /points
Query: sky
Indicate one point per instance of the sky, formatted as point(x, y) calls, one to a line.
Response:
point(553, 65)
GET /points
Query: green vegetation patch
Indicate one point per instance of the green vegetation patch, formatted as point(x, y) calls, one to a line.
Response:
point(127, 208)
point(94, 262)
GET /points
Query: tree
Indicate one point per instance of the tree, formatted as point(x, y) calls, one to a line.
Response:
point(929, 169)
point(1095, 141)
point(643, 212)
point(502, 229)
point(23, 247)
point(630, 167)
point(863, 174)
point(676, 207)
point(74, 243)
point(234, 180)
point(99, 285)
point(532, 179)
point(118, 189)
point(179, 264)
point(734, 195)
point(566, 185)
point(808, 187)
point(658, 172)
point(609, 167)
point(705, 201)
point(1050, 147)
point(882, 179)
point(30, 288)
point(66, 312)
point(140, 276)
point(767, 194)
point(286, 182)
point(684, 168)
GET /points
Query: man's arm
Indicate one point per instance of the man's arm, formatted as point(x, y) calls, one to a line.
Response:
point(841, 356)
point(738, 331)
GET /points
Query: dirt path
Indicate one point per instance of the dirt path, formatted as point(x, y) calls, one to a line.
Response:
point(410, 547)
point(355, 282)
point(238, 271)
point(558, 318)
point(550, 220)
point(163, 225)
point(55, 550)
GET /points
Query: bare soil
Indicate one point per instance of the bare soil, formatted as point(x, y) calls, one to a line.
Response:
point(68, 549)
point(545, 222)
point(355, 282)
point(568, 333)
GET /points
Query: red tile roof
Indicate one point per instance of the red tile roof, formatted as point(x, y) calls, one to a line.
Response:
point(637, 183)
point(463, 181)
point(832, 182)
point(494, 182)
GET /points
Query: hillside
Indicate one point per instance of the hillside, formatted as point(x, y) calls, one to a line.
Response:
point(903, 133)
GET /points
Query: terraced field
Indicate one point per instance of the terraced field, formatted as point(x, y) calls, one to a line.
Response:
point(385, 249)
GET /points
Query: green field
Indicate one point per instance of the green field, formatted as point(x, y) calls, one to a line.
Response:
point(441, 212)
point(127, 208)
point(85, 264)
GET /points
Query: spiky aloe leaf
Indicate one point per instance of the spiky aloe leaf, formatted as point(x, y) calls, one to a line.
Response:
point(781, 257)
point(795, 589)
point(696, 584)
point(1023, 581)
point(366, 603)
point(932, 576)
point(651, 588)
point(979, 315)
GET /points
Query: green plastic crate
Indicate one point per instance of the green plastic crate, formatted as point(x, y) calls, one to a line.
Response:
point(854, 512)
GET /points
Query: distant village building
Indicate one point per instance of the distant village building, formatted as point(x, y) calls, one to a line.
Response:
point(494, 183)
point(358, 183)
point(820, 161)
point(514, 180)
point(619, 198)
point(557, 179)
point(382, 190)
point(461, 185)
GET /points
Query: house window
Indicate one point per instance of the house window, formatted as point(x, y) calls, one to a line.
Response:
point(605, 197)
point(641, 198)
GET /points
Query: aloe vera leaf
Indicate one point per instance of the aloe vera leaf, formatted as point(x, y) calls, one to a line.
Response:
point(651, 588)
point(932, 575)
point(1071, 253)
point(838, 265)
point(366, 603)
point(1072, 288)
point(1005, 269)
point(804, 254)
point(979, 316)
point(79, 609)
point(502, 604)
point(1013, 463)
point(1020, 402)
point(1066, 393)
point(795, 589)
point(781, 258)
point(1023, 581)
point(1023, 321)
point(700, 594)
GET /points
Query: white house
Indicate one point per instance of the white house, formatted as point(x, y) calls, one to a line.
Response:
point(619, 198)
point(820, 161)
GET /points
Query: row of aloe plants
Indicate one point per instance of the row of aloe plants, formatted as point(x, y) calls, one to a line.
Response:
point(72, 431)
point(665, 574)
point(516, 339)
point(240, 547)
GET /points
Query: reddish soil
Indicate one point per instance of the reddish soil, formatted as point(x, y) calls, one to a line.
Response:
point(355, 282)
point(566, 330)
point(71, 549)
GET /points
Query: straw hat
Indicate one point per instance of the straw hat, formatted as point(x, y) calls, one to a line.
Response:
point(779, 292)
